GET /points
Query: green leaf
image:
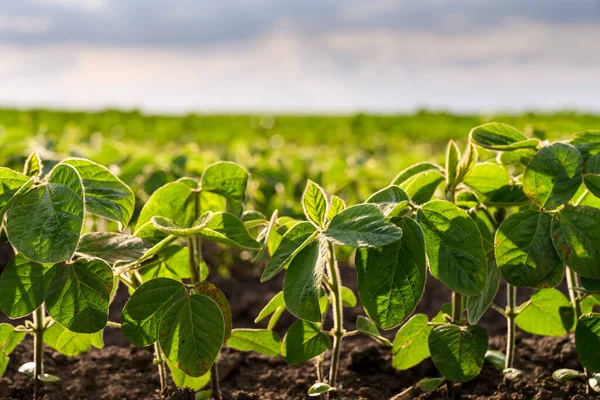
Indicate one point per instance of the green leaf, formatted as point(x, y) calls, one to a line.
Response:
point(12, 181)
point(113, 247)
point(78, 295)
point(210, 290)
point(388, 199)
point(191, 333)
point(15, 196)
point(454, 247)
point(314, 203)
point(336, 205)
point(69, 343)
point(275, 308)
point(587, 341)
point(105, 194)
point(348, 297)
point(228, 229)
point(294, 240)
point(168, 227)
point(302, 283)
point(524, 249)
point(23, 285)
point(229, 180)
point(263, 341)
point(4, 359)
point(9, 339)
point(367, 327)
point(391, 279)
point(303, 341)
point(496, 358)
point(46, 222)
point(467, 163)
point(414, 170)
point(174, 201)
point(576, 238)
point(182, 380)
point(173, 264)
point(141, 315)
point(458, 351)
point(477, 305)
point(422, 186)
point(33, 165)
point(319, 388)
point(553, 175)
point(507, 196)
point(591, 285)
point(452, 159)
point(502, 137)
point(587, 142)
point(591, 175)
point(548, 313)
point(362, 225)
point(410, 345)
point(487, 178)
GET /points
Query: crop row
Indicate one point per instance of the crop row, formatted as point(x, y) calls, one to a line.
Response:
point(507, 207)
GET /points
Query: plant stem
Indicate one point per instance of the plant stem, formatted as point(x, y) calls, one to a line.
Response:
point(575, 297)
point(162, 370)
point(38, 346)
point(338, 314)
point(214, 380)
point(511, 299)
point(456, 307)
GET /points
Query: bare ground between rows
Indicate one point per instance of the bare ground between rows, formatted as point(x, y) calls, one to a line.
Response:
point(121, 371)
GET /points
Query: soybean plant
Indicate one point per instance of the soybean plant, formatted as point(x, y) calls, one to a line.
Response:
point(52, 272)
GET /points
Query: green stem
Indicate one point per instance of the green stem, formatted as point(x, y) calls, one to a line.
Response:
point(38, 352)
point(456, 307)
point(511, 300)
point(574, 296)
point(162, 368)
point(338, 314)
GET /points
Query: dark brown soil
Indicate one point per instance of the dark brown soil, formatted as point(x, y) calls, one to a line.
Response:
point(120, 371)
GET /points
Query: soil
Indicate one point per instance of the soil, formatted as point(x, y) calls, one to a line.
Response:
point(121, 371)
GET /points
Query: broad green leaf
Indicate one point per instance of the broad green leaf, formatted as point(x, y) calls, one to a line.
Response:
point(591, 285)
point(458, 351)
point(68, 343)
point(587, 341)
point(517, 158)
point(336, 205)
point(314, 203)
point(367, 327)
point(191, 333)
point(113, 247)
point(422, 186)
point(454, 247)
point(507, 196)
point(486, 178)
point(388, 199)
point(275, 307)
point(391, 279)
point(548, 313)
point(591, 175)
point(524, 249)
point(78, 295)
point(210, 290)
point(587, 142)
point(46, 223)
point(228, 180)
point(497, 136)
point(168, 227)
point(553, 175)
point(174, 201)
point(303, 341)
point(348, 297)
point(362, 225)
point(576, 238)
point(263, 341)
point(23, 286)
point(414, 170)
point(141, 315)
point(302, 283)
point(10, 182)
point(294, 240)
point(9, 339)
point(182, 380)
point(477, 305)
point(410, 345)
point(319, 388)
point(14, 198)
point(33, 165)
point(105, 194)
point(228, 229)
point(453, 157)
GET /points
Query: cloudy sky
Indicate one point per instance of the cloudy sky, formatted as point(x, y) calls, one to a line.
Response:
point(325, 56)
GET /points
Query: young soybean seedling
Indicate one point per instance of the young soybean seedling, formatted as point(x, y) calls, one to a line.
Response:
point(187, 323)
point(313, 280)
point(43, 217)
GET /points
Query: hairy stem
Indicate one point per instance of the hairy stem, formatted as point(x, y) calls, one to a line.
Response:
point(162, 367)
point(38, 346)
point(338, 314)
point(456, 307)
point(575, 297)
point(511, 299)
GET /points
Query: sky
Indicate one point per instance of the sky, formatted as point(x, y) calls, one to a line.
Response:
point(299, 56)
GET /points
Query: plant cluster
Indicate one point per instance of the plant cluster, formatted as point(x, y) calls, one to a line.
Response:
point(507, 207)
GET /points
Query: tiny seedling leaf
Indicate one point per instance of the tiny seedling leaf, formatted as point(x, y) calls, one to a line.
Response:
point(367, 327)
point(314, 203)
point(319, 388)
